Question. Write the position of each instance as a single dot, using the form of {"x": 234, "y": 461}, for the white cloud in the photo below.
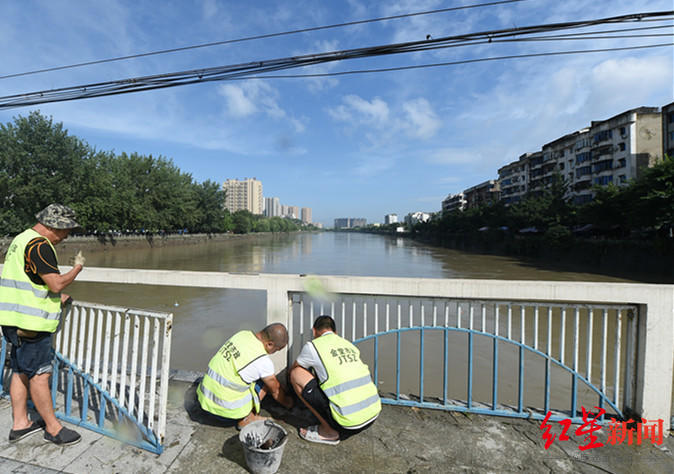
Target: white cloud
{"x": 360, "y": 111}
{"x": 238, "y": 104}
{"x": 422, "y": 120}
{"x": 251, "y": 97}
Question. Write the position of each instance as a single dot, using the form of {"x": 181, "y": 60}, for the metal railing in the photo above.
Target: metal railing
{"x": 111, "y": 372}
{"x": 122, "y": 355}
{"x": 504, "y": 338}
{"x": 651, "y": 326}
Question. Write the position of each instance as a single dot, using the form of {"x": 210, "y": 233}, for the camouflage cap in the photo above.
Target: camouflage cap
{"x": 57, "y": 216}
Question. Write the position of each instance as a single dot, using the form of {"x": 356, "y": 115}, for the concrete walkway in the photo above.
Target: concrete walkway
{"x": 403, "y": 440}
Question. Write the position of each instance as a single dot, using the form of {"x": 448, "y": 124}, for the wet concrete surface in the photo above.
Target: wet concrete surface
{"x": 402, "y": 440}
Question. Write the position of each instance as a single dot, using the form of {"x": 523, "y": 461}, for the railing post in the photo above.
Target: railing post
{"x": 279, "y": 310}
{"x": 655, "y": 358}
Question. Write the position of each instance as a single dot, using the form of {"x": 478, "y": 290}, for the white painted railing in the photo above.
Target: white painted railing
{"x": 655, "y": 326}
{"x": 124, "y": 351}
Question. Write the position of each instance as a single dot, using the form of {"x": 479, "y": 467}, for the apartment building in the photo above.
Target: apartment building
{"x": 513, "y": 179}
{"x": 272, "y": 207}
{"x": 243, "y": 194}
{"x": 391, "y": 219}
{"x": 482, "y": 193}
{"x": 306, "y": 215}
{"x": 614, "y": 150}
{"x": 454, "y": 202}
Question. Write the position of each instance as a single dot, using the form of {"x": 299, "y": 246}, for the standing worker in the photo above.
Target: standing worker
{"x": 344, "y": 399}
{"x": 30, "y": 310}
{"x": 240, "y": 374}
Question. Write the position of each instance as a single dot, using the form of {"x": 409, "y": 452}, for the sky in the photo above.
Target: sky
{"x": 360, "y": 145}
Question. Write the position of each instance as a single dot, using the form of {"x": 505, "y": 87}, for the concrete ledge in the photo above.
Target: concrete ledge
{"x": 401, "y": 440}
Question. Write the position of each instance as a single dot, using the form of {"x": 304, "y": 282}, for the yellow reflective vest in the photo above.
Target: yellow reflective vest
{"x": 23, "y": 303}
{"x": 222, "y": 391}
{"x": 354, "y": 400}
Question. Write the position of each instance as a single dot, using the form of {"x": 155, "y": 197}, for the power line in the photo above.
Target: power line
{"x": 451, "y": 63}
{"x": 258, "y": 37}
{"x": 247, "y": 70}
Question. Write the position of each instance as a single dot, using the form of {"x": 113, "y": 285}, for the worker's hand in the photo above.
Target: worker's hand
{"x": 79, "y": 259}
{"x": 66, "y": 299}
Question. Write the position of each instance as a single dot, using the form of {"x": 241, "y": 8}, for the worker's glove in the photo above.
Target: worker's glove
{"x": 79, "y": 259}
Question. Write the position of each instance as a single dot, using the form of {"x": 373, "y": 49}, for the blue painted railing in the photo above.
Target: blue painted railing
{"x": 110, "y": 373}
{"x": 109, "y": 416}
{"x": 111, "y": 419}
{"x": 470, "y": 405}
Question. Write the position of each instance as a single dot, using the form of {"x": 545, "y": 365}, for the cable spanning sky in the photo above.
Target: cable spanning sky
{"x": 434, "y": 97}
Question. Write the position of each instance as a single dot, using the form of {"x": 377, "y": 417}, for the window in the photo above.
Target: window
{"x": 623, "y": 131}
{"x": 622, "y": 146}
{"x": 582, "y": 171}
{"x": 622, "y": 162}
{"x": 602, "y": 166}
{"x": 602, "y": 136}
{"x": 670, "y": 116}
{"x": 582, "y": 157}
{"x": 602, "y": 180}
{"x": 622, "y": 178}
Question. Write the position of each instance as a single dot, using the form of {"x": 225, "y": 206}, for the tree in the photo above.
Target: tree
{"x": 40, "y": 165}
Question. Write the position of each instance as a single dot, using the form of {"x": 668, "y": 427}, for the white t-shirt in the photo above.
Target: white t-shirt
{"x": 258, "y": 369}
{"x": 309, "y": 359}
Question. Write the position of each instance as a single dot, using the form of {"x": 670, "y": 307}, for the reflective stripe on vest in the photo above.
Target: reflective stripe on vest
{"x": 25, "y": 304}
{"x": 224, "y": 404}
{"x": 222, "y": 391}
{"x": 17, "y": 308}
{"x": 226, "y": 383}
{"x": 354, "y": 399}
{"x": 22, "y": 285}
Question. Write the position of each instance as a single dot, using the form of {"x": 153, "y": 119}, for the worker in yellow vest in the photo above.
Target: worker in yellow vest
{"x": 240, "y": 374}
{"x": 341, "y": 395}
{"x": 30, "y": 311}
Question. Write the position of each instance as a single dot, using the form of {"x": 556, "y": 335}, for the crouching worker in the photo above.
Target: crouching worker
{"x": 240, "y": 374}
{"x": 344, "y": 399}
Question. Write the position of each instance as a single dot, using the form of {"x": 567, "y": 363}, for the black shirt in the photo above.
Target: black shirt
{"x": 40, "y": 259}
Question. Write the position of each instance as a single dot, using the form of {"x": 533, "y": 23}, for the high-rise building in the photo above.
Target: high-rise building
{"x": 390, "y": 218}
{"x": 272, "y": 207}
{"x": 293, "y": 212}
{"x": 306, "y": 215}
{"x": 243, "y": 194}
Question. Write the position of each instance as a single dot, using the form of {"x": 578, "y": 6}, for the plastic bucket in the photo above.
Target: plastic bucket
{"x": 263, "y": 442}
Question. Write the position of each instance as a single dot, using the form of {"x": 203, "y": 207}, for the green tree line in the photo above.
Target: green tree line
{"x": 40, "y": 163}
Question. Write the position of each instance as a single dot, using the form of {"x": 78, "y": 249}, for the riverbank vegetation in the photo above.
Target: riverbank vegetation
{"x": 624, "y": 227}
{"x": 40, "y": 163}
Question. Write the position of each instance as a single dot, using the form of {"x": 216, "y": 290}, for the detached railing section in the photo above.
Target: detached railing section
{"x": 111, "y": 372}
{"x": 509, "y": 358}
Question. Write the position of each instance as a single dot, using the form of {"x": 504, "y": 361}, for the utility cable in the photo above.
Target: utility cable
{"x": 238, "y": 71}
{"x": 451, "y": 63}
{"x": 258, "y": 37}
